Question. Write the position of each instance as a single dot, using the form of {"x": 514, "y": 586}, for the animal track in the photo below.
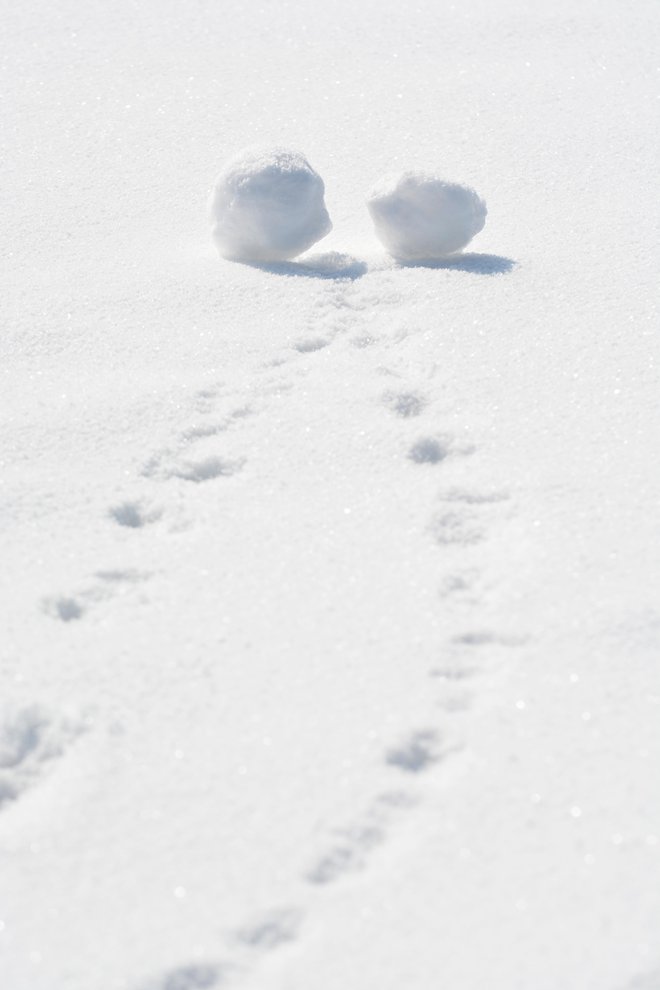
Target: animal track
{"x": 473, "y": 498}
{"x": 462, "y": 526}
{"x": 30, "y": 739}
{"x": 486, "y": 638}
{"x": 456, "y": 669}
{"x": 458, "y": 583}
{"x": 404, "y": 404}
{"x": 348, "y": 855}
{"x": 175, "y": 463}
{"x": 204, "y": 430}
{"x": 205, "y": 469}
{"x": 263, "y": 934}
{"x": 135, "y": 515}
{"x": 363, "y": 341}
{"x": 117, "y": 576}
{"x": 194, "y": 977}
{"x": 70, "y": 608}
{"x": 205, "y": 398}
{"x": 449, "y": 528}
{"x": 417, "y": 753}
{"x": 430, "y": 450}
{"x": 66, "y": 609}
{"x": 196, "y": 471}
{"x": 311, "y": 344}
{"x": 351, "y": 850}
{"x": 272, "y": 929}
{"x": 452, "y": 672}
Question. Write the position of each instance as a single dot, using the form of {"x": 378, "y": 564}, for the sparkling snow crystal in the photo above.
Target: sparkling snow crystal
{"x": 419, "y": 216}
{"x": 267, "y": 205}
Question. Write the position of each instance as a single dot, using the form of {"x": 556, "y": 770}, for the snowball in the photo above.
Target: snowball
{"x": 420, "y": 217}
{"x": 267, "y": 205}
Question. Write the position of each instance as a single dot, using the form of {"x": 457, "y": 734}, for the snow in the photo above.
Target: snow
{"x": 420, "y": 217}
{"x": 330, "y": 626}
{"x": 267, "y": 205}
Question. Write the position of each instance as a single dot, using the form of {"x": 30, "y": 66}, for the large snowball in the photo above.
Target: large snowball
{"x": 267, "y": 205}
{"x": 420, "y": 217}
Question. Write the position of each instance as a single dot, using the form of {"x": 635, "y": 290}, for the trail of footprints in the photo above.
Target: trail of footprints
{"x": 198, "y": 455}
{"x": 461, "y": 521}
{"x": 180, "y": 461}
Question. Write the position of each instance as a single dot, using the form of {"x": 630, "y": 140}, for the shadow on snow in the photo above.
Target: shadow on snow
{"x": 336, "y": 265}
{"x": 330, "y": 265}
{"x": 476, "y": 264}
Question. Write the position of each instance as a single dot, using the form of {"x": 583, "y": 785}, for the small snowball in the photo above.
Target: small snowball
{"x": 420, "y": 217}
{"x": 267, "y": 205}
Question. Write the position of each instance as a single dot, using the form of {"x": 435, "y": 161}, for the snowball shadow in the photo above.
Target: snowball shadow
{"x": 476, "y": 264}
{"x": 332, "y": 264}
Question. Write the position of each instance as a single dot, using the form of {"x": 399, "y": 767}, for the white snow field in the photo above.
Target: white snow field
{"x": 330, "y": 587}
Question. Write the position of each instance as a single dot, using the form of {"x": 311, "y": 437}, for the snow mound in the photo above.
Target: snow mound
{"x": 267, "y": 205}
{"x": 418, "y": 216}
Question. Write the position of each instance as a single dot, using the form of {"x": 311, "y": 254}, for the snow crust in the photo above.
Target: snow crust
{"x": 268, "y": 205}
{"x": 420, "y": 217}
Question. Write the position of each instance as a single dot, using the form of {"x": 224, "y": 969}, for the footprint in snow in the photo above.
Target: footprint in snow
{"x": 452, "y": 672}
{"x": 262, "y": 934}
{"x": 485, "y": 637}
{"x": 350, "y": 851}
{"x": 473, "y": 498}
{"x": 205, "y": 469}
{"x": 415, "y": 754}
{"x": 405, "y": 404}
{"x": 175, "y": 461}
{"x": 197, "y": 976}
{"x": 200, "y": 431}
{"x": 206, "y": 398}
{"x": 65, "y": 608}
{"x": 461, "y": 521}
{"x": 70, "y": 608}
{"x": 310, "y": 344}
{"x": 135, "y": 514}
{"x": 362, "y": 341}
{"x": 456, "y": 528}
{"x": 196, "y": 471}
{"x": 462, "y": 663}
{"x": 270, "y": 930}
{"x": 347, "y": 855}
{"x": 430, "y": 450}
{"x": 460, "y": 583}
{"x": 31, "y": 739}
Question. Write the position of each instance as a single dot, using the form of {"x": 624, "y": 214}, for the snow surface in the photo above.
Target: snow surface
{"x": 267, "y": 205}
{"x": 420, "y": 217}
{"x": 330, "y": 619}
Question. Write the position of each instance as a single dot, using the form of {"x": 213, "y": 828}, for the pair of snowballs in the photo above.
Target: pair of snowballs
{"x": 268, "y": 205}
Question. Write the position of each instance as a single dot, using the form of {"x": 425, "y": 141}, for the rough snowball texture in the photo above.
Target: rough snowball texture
{"x": 419, "y": 216}
{"x": 267, "y": 205}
